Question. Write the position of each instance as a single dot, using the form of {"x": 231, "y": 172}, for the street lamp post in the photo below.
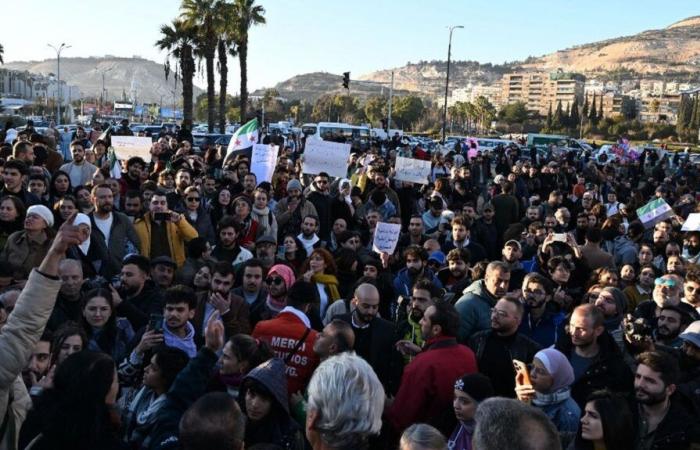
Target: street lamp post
{"x": 447, "y": 82}
{"x": 103, "y": 96}
{"x": 59, "y": 96}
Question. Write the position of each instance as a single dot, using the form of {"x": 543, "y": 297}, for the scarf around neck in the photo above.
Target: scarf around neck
{"x": 330, "y": 281}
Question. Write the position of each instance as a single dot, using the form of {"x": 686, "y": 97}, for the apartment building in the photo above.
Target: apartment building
{"x": 539, "y": 90}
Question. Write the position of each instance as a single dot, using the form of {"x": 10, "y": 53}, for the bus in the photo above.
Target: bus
{"x": 544, "y": 140}
{"x": 355, "y": 135}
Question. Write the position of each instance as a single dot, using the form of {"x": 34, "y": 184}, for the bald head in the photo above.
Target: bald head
{"x": 71, "y": 273}
{"x": 366, "y": 303}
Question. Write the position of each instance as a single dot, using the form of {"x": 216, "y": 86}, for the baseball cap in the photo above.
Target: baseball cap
{"x": 164, "y": 260}
{"x": 513, "y": 243}
{"x": 692, "y": 333}
{"x": 438, "y": 257}
{"x": 267, "y": 239}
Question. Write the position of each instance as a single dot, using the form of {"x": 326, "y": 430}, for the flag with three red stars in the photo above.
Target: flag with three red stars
{"x": 243, "y": 139}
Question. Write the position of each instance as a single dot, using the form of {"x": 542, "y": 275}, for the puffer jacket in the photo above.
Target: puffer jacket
{"x": 474, "y": 309}
{"x": 19, "y": 336}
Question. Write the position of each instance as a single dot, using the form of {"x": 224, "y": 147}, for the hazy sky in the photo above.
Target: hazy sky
{"x": 337, "y": 36}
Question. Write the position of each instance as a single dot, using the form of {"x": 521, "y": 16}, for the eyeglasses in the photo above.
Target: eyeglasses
{"x": 275, "y": 280}
{"x": 665, "y": 282}
{"x": 193, "y": 199}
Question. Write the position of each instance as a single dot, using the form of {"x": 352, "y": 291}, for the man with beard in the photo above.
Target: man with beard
{"x": 667, "y": 292}
{"x": 409, "y": 331}
{"x": 512, "y": 253}
{"x": 228, "y": 250}
{"x": 112, "y": 227}
{"x": 455, "y": 277}
{"x": 265, "y": 251}
{"x": 691, "y": 249}
{"x": 460, "y": 233}
{"x": 593, "y": 354}
{"x": 691, "y": 289}
{"x": 176, "y": 199}
{"x": 319, "y": 196}
{"x": 252, "y": 289}
{"x": 426, "y": 392}
{"x": 484, "y": 233}
{"x": 250, "y": 182}
{"x": 495, "y": 349}
{"x": 539, "y": 323}
{"x": 337, "y": 337}
{"x": 13, "y": 175}
{"x": 138, "y": 296}
{"x": 39, "y": 363}
{"x": 308, "y": 236}
{"x": 131, "y": 179}
{"x": 133, "y": 205}
{"x": 375, "y": 340}
{"x": 79, "y": 170}
{"x": 382, "y": 184}
{"x": 163, "y": 271}
{"x": 642, "y": 289}
{"x": 662, "y": 419}
{"x": 232, "y": 308}
{"x": 416, "y": 267}
{"x": 474, "y": 307}
{"x": 291, "y": 210}
{"x": 581, "y": 228}
{"x": 68, "y": 306}
{"x": 415, "y": 235}
{"x": 672, "y": 321}
{"x": 178, "y": 332}
{"x": 279, "y": 279}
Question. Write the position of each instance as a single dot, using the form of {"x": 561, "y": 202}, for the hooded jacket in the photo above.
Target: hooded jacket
{"x": 277, "y": 427}
{"x": 403, "y": 283}
{"x": 474, "y": 309}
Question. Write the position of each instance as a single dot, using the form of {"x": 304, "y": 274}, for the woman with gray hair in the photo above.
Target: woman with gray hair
{"x": 346, "y": 401}
{"x": 421, "y": 436}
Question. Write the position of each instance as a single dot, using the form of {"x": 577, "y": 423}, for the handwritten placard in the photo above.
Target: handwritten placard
{"x": 386, "y": 236}
{"x": 413, "y": 170}
{"x": 330, "y": 157}
{"x": 263, "y": 160}
{"x": 127, "y": 146}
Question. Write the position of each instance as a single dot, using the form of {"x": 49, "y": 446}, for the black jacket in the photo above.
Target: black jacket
{"x": 189, "y": 385}
{"x": 523, "y": 348}
{"x": 383, "y": 357}
{"x": 137, "y": 309}
{"x": 607, "y": 371}
{"x": 678, "y": 429}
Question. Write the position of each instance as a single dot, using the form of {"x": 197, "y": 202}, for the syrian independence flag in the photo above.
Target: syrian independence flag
{"x": 243, "y": 140}
{"x": 654, "y": 212}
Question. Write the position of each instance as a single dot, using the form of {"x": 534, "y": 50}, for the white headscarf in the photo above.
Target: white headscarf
{"x": 81, "y": 218}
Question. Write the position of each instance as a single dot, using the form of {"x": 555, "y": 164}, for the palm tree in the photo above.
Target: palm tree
{"x": 178, "y": 39}
{"x": 247, "y": 14}
{"x": 203, "y": 16}
{"x": 228, "y": 27}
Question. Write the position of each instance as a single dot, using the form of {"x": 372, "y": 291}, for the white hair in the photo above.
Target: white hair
{"x": 421, "y": 436}
{"x": 65, "y": 263}
{"x": 349, "y": 400}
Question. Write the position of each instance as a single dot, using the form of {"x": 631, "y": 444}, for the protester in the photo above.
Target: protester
{"x": 469, "y": 391}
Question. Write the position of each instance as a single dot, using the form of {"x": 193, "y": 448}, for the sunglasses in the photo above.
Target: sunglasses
{"x": 192, "y": 199}
{"x": 275, "y": 280}
{"x": 665, "y": 282}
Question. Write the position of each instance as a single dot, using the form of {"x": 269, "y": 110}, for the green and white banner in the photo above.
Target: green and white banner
{"x": 654, "y": 212}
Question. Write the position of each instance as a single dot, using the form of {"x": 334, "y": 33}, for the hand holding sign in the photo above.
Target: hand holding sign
{"x": 386, "y": 236}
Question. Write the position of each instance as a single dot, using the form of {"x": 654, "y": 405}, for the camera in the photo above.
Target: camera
{"x": 637, "y": 329}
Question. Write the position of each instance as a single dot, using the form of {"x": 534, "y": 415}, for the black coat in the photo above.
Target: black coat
{"x": 678, "y": 429}
{"x": 607, "y": 371}
{"x": 137, "y": 309}
{"x": 383, "y": 357}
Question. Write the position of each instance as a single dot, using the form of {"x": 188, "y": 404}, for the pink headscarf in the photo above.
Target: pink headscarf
{"x": 287, "y": 275}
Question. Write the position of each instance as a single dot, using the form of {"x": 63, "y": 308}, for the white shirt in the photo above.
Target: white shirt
{"x": 105, "y": 226}
{"x": 299, "y": 314}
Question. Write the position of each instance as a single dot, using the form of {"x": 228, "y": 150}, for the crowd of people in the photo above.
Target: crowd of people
{"x": 181, "y": 303}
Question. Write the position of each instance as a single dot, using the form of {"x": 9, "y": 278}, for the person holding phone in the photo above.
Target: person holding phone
{"x": 163, "y": 232}
{"x": 546, "y": 383}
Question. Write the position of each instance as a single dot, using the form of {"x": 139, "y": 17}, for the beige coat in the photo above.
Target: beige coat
{"x": 20, "y": 334}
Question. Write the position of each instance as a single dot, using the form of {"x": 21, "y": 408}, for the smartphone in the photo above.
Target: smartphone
{"x": 155, "y": 323}
{"x": 522, "y": 375}
{"x": 559, "y": 237}
{"x": 161, "y": 216}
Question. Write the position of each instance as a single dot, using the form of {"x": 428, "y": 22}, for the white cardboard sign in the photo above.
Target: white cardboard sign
{"x": 386, "y": 236}
{"x": 263, "y": 161}
{"x": 412, "y": 170}
{"x": 127, "y": 146}
{"x": 330, "y": 157}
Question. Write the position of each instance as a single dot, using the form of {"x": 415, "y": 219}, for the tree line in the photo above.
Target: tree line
{"x": 210, "y": 31}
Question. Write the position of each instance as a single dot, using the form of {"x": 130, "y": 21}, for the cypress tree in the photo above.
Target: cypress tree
{"x": 574, "y": 118}
{"x": 593, "y": 112}
{"x": 549, "y": 117}
{"x": 585, "y": 107}
{"x": 558, "y": 121}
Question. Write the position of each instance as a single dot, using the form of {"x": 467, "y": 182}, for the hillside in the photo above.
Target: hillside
{"x": 146, "y": 77}
{"x": 672, "y": 53}
{"x": 672, "y": 50}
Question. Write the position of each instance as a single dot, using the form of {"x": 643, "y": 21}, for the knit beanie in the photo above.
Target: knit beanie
{"x": 43, "y": 212}
{"x": 294, "y": 184}
{"x": 475, "y": 385}
{"x": 558, "y": 366}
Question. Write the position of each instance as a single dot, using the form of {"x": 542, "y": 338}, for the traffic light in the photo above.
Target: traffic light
{"x": 346, "y": 80}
